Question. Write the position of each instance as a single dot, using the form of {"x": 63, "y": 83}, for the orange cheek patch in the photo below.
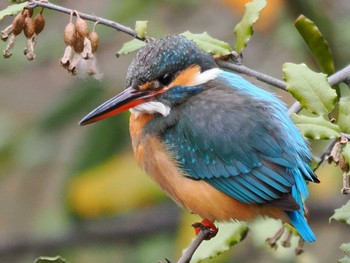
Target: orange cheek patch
{"x": 146, "y": 86}
{"x": 187, "y": 77}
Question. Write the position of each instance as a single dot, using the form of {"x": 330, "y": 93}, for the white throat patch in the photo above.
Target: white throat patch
{"x": 207, "y": 75}
{"x": 150, "y": 107}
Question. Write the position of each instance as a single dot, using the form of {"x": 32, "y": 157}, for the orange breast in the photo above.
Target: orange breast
{"x": 197, "y": 196}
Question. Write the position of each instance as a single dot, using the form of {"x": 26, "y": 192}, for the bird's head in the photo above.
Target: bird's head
{"x": 164, "y": 73}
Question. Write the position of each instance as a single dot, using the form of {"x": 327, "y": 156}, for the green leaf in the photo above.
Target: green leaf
{"x": 12, "y": 10}
{"x": 345, "y": 248}
{"x": 229, "y": 235}
{"x": 209, "y": 44}
{"x": 71, "y": 105}
{"x": 91, "y": 194}
{"x": 141, "y": 28}
{"x": 311, "y": 89}
{"x": 346, "y": 153}
{"x": 316, "y": 43}
{"x": 315, "y": 127}
{"x": 344, "y": 114}
{"x": 104, "y": 140}
{"x": 244, "y": 29}
{"x": 130, "y": 46}
{"x": 345, "y": 259}
{"x": 56, "y": 259}
{"x": 342, "y": 214}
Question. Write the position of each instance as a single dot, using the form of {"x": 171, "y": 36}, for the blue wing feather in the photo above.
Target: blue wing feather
{"x": 239, "y": 139}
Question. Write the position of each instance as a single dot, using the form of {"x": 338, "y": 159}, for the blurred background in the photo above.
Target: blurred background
{"x": 76, "y": 191}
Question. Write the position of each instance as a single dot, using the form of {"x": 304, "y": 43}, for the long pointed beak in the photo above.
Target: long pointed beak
{"x": 123, "y": 101}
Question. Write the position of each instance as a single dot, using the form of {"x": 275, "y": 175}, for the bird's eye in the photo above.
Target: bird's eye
{"x": 165, "y": 79}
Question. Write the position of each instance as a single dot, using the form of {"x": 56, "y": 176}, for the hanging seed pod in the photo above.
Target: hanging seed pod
{"x": 87, "y": 52}
{"x": 28, "y": 28}
{"x": 18, "y": 24}
{"x": 29, "y": 33}
{"x": 6, "y": 33}
{"x": 94, "y": 41}
{"x": 10, "y": 44}
{"x": 39, "y": 22}
{"x": 81, "y": 27}
{"x": 79, "y": 44}
{"x": 70, "y": 34}
{"x": 67, "y": 57}
{"x": 28, "y": 12}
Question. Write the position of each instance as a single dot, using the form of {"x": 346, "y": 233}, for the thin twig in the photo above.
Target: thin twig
{"x": 94, "y": 18}
{"x": 340, "y": 76}
{"x": 326, "y": 153}
{"x": 187, "y": 255}
{"x": 250, "y": 72}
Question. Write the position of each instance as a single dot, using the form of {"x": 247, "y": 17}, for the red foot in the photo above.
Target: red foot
{"x": 205, "y": 225}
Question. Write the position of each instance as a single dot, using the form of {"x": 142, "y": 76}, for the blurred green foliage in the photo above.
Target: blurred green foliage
{"x": 46, "y": 158}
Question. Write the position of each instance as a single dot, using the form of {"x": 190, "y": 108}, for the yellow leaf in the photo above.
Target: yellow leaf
{"x": 116, "y": 186}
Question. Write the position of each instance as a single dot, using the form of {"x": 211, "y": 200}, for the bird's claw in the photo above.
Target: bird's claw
{"x": 206, "y": 225}
{"x": 286, "y": 242}
{"x": 300, "y": 248}
{"x": 272, "y": 241}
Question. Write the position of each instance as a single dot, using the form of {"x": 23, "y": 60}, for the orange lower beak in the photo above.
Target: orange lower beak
{"x": 125, "y": 100}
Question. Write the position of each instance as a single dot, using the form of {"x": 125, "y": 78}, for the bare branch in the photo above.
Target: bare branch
{"x": 326, "y": 153}
{"x": 187, "y": 255}
{"x": 94, "y": 18}
{"x": 258, "y": 75}
{"x": 342, "y": 75}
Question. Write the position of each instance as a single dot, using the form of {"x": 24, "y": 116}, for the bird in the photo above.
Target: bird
{"x": 218, "y": 145}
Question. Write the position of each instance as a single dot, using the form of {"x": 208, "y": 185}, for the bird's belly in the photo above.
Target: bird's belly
{"x": 195, "y": 195}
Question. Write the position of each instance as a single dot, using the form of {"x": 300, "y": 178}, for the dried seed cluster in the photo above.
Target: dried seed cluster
{"x": 79, "y": 58}
{"x": 31, "y": 28}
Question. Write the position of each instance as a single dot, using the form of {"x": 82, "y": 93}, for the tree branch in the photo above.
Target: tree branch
{"x": 187, "y": 255}
{"x": 250, "y": 72}
{"x": 94, "y": 18}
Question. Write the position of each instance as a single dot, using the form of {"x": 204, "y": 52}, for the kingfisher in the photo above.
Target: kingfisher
{"x": 216, "y": 144}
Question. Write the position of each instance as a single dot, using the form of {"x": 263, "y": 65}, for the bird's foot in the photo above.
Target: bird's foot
{"x": 300, "y": 248}
{"x": 206, "y": 225}
{"x": 286, "y": 241}
{"x": 272, "y": 241}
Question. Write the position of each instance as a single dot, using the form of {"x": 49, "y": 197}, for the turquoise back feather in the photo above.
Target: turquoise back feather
{"x": 239, "y": 139}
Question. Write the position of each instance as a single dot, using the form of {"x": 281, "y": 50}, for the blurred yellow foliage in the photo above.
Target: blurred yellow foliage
{"x": 116, "y": 186}
{"x": 268, "y": 15}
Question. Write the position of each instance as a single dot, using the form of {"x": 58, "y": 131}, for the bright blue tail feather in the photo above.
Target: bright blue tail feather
{"x": 297, "y": 218}
{"x": 299, "y": 222}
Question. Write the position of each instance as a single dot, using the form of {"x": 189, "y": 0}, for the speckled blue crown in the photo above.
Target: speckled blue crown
{"x": 169, "y": 54}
